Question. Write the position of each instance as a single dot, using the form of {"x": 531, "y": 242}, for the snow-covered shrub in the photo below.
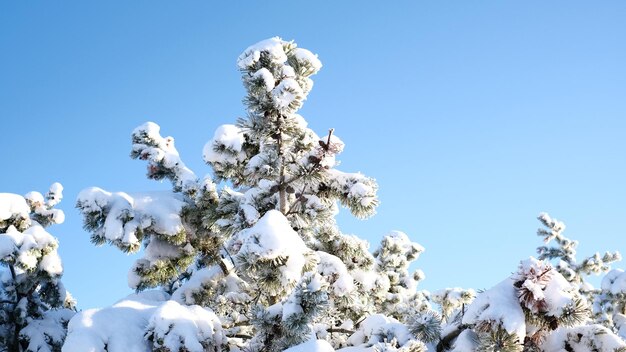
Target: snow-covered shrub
{"x": 34, "y": 305}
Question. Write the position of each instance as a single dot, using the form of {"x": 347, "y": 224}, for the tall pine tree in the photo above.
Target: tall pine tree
{"x": 256, "y": 243}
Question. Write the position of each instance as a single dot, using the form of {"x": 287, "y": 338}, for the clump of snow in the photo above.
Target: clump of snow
{"x": 376, "y": 328}
{"x": 312, "y": 345}
{"x": 51, "y": 264}
{"x": 125, "y": 326}
{"x": 185, "y": 328}
{"x": 120, "y": 328}
{"x": 287, "y": 95}
{"x": 583, "y": 339}
{"x": 306, "y": 58}
{"x": 125, "y": 213}
{"x": 34, "y": 198}
{"x": 25, "y": 249}
{"x": 499, "y": 305}
{"x": 543, "y": 289}
{"x": 332, "y": 267}
{"x": 273, "y": 47}
{"x": 46, "y": 331}
{"x": 149, "y": 145}
{"x": 266, "y": 77}
{"x": 185, "y": 293}
{"x": 272, "y": 237}
{"x": 226, "y": 146}
{"x": 465, "y": 342}
{"x": 13, "y": 205}
{"x": 614, "y": 281}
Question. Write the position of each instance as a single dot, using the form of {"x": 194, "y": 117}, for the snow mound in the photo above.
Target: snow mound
{"x": 142, "y": 322}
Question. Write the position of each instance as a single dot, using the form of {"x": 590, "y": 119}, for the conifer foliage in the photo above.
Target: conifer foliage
{"x": 34, "y": 305}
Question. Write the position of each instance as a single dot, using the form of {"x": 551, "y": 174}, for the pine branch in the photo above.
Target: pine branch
{"x": 340, "y": 330}
{"x": 444, "y": 343}
{"x": 16, "y": 333}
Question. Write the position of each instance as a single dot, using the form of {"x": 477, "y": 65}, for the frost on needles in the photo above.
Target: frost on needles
{"x": 250, "y": 257}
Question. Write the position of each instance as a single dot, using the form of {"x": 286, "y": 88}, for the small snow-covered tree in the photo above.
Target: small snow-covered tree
{"x": 34, "y": 305}
{"x": 542, "y": 307}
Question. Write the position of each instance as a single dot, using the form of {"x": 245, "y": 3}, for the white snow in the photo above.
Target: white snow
{"x": 124, "y": 326}
{"x": 164, "y": 152}
{"x": 312, "y": 345}
{"x": 583, "y": 339}
{"x": 51, "y": 264}
{"x": 272, "y": 46}
{"x": 266, "y": 76}
{"x": 375, "y": 324}
{"x": 13, "y": 205}
{"x": 155, "y": 211}
{"x": 614, "y": 281}
{"x": 272, "y": 237}
{"x": 304, "y": 56}
{"x": 42, "y": 332}
{"x": 184, "y": 328}
{"x": 465, "y": 342}
{"x": 333, "y": 268}
{"x": 120, "y": 327}
{"x": 229, "y": 137}
{"x": 286, "y": 93}
{"x": 35, "y": 198}
{"x": 498, "y": 305}
{"x": 184, "y": 294}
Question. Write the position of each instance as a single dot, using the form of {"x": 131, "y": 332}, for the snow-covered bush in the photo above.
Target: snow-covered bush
{"x": 34, "y": 305}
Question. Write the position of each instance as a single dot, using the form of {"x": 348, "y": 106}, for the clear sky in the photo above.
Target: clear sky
{"x": 474, "y": 116}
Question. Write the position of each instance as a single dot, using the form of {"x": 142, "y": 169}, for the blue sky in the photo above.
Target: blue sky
{"x": 473, "y": 116}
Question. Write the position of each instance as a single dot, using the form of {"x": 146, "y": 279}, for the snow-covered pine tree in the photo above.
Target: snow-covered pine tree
{"x": 34, "y": 305}
{"x": 260, "y": 264}
{"x": 544, "y": 308}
